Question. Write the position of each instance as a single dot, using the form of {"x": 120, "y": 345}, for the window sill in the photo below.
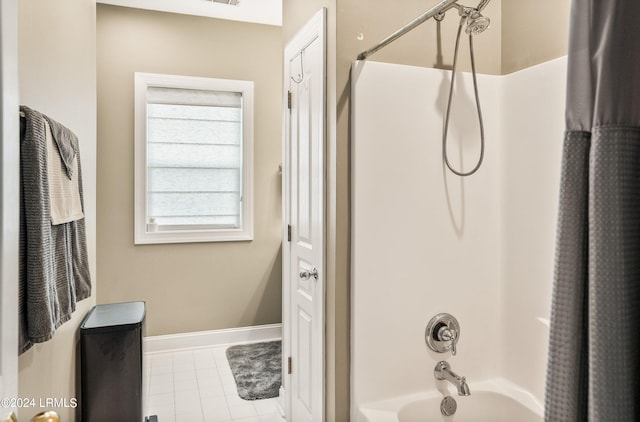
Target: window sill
{"x": 192, "y": 236}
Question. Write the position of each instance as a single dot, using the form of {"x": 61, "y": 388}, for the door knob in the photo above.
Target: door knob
{"x": 307, "y": 274}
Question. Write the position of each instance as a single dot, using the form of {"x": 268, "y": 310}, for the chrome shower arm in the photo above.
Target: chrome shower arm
{"x": 441, "y": 7}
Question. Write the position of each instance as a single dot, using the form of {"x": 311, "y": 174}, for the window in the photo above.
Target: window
{"x": 194, "y": 159}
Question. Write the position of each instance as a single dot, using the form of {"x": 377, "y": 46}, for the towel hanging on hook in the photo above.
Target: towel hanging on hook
{"x": 54, "y": 264}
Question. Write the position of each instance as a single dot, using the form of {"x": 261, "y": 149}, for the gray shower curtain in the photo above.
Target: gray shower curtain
{"x": 593, "y": 372}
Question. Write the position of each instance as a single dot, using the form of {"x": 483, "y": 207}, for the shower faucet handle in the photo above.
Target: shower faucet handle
{"x": 448, "y": 335}
{"x": 442, "y": 333}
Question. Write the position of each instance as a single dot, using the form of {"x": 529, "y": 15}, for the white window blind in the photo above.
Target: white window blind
{"x": 194, "y": 159}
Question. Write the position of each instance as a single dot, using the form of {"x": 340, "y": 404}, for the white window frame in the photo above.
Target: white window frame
{"x": 142, "y": 235}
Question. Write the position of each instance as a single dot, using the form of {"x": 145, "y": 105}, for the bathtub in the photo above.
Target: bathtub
{"x": 490, "y": 401}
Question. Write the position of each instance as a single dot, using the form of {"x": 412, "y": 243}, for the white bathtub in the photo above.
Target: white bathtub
{"x": 490, "y": 401}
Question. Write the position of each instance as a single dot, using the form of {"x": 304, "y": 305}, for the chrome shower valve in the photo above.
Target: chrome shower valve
{"x": 447, "y": 334}
{"x": 442, "y": 333}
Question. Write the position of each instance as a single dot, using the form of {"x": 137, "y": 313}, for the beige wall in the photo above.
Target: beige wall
{"x": 534, "y": 31}
{"x": 199, "y": 286}
{"x": 57, "y": 77}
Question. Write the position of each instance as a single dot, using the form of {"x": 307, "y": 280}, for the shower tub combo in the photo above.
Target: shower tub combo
{"x": 426, "y": 239}
{"x": 491, "y": 401}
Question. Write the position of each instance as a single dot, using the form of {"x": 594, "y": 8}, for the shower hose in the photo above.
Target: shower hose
{"x": 447, "y": 113}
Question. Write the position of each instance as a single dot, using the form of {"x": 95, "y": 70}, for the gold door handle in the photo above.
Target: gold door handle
{"x": 46, "y": 417}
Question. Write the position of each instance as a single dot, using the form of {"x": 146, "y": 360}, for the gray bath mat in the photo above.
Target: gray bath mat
{"x": 257, "y": 369}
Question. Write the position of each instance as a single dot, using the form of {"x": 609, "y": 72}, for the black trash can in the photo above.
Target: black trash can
{"x": 111, "y": 363}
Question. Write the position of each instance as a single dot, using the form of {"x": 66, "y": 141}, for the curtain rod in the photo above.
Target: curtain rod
{"x": 441, "y": 7}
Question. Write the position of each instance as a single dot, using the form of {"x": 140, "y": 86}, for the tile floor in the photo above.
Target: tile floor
{"x": 197, "y": 386}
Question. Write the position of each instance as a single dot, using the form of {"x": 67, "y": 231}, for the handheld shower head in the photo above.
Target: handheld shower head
{"x": 477, "y": 24}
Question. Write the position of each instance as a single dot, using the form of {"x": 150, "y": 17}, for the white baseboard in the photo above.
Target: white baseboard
{"x": 213, "y": 338}
{"x": 281, "y": 401}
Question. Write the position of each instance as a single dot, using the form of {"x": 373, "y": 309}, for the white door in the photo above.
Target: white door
{"x": 9, "y": 200}
{"x": 303, "y": 287}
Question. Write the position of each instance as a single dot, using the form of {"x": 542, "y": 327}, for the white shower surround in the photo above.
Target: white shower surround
{"x": 425, "y": 241}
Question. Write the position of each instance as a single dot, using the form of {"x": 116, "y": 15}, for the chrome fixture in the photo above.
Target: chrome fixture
{"x": 443, "y": 371}
{"x": 482, "y": 5}
{"x": 448, "y": 406}
{"x": 475, "y": 24}
{"x": 442, "y": 333}
{"x": 307, "y": 274}
{"x": 436, "y": 11}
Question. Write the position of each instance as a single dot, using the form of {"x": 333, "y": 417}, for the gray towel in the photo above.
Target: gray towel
{"x": 64, "y": 191}
{"x": 54, "y": 266}
{"x": 67, "y": 143}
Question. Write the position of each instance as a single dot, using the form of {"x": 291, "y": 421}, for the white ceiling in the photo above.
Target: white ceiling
{"x": 267, "y": 12}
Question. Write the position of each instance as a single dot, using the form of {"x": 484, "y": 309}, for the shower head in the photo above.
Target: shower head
{"x": 477, "y": 24}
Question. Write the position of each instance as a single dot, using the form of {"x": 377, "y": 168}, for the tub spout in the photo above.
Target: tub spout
{"x": 463, "y": 389}
{"x": 443, "y": 372}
